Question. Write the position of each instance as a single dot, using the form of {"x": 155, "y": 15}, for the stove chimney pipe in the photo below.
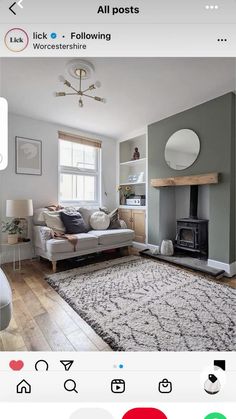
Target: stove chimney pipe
{"x": 193, "y": 201}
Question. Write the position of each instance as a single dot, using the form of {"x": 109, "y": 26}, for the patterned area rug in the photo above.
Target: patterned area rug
{"x": 137, "y": 304}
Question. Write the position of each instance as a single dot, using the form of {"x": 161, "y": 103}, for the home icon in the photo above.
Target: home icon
{"x": 23, "y": 387}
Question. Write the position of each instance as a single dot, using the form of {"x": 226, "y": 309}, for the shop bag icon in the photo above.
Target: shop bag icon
{"x": 165, "y": 386}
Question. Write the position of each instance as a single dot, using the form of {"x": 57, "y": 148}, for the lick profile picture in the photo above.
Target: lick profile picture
{"x": 16, "y": 40}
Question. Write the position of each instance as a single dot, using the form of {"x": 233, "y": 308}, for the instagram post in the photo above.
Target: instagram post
{"x": 112, "y": 228}
{"x": 117, "y": 210}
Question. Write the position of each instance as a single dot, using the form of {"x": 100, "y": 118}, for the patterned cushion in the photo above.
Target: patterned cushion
{"x": 114, "y": 218}
{"x": 99, "y": 221}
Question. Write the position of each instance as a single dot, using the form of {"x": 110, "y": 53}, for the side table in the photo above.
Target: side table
{"x": 15, "y": 250}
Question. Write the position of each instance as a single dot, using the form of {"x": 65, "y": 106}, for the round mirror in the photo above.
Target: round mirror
{"x": 182, "y": 149}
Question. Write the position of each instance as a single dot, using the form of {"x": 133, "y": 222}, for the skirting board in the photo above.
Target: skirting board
{"x": 230, "y": 269}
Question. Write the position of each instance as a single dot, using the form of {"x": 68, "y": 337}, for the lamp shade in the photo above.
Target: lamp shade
{"x": 19, "y": 208}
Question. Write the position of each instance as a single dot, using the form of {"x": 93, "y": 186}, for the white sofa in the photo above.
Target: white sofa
{"x": 5, "y": 301}
{"x": 94, "y": 241}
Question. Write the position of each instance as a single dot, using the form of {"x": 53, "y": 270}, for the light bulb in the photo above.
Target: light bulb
{"x": 58, "y": 94}
{"x": 81, "y": 103}
{"x": 98, "y": 84}
{"x": 100, "y": 99}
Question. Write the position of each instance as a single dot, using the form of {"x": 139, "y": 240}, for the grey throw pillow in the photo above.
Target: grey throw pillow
{"x": 86, "y": 214}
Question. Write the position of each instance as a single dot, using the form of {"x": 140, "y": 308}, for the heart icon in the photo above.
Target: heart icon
{"x": 16, "y": 365}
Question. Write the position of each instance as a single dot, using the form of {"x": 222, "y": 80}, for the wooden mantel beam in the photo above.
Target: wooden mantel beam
{"x": 205, "y": 179}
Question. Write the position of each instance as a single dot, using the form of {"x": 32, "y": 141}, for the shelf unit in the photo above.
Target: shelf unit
{"x": 141, "y": 207}
{"x": 132, "y": 183}
{"x": 133, "y": 168}
{"x": 135, "y": 216}
{"x": 133, "y": 162}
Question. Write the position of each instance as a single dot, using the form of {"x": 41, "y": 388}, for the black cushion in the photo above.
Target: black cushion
{"x": 73, "y": 222}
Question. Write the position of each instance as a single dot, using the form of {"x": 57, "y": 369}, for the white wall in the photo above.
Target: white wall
{"x": 44, "y": 189}
{"x": 0, "y": 76}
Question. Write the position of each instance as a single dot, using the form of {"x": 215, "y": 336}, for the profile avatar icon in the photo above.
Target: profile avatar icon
{"x": 212, "y": 384}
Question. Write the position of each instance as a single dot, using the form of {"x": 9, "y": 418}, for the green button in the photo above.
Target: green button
{"x": 215, "y": 415}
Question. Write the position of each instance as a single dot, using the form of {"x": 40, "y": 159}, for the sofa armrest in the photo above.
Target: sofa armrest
{"x": 41, "y": 235}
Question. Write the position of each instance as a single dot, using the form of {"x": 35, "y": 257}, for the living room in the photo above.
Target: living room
{"x": 99, "y": 293}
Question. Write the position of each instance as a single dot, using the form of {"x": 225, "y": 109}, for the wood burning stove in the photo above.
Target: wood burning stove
{"x": 192, "y": 232}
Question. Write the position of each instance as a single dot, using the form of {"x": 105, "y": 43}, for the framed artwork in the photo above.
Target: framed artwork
{"x": 28, "y": 156}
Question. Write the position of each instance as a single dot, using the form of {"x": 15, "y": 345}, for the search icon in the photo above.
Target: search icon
{"x": 70, "y": 385}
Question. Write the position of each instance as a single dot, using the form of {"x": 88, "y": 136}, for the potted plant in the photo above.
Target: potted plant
{"x": 13, "y": 228}
{"x": 125, "y": 192}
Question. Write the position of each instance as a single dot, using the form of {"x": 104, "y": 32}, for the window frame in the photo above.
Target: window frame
{"x": 71, "y": 170}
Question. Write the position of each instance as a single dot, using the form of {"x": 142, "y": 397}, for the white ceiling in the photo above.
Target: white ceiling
{"x": 139, "y": 91}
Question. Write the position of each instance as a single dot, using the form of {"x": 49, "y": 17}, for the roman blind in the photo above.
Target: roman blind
{"x": 79, "y": 139}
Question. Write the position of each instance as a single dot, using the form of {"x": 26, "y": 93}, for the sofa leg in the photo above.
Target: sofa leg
{"x": 54, "y": 266}
{"x": 125, "y": 251}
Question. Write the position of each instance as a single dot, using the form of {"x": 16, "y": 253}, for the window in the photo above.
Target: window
{"x": 79, "y": 169}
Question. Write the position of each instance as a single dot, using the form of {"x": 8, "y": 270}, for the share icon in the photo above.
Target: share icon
{"x": 67, "y": 364}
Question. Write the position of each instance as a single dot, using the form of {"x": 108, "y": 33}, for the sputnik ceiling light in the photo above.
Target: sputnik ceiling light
{"x": 81, "y": 70}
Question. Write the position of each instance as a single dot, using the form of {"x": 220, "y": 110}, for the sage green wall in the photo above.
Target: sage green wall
{"x": 214, "y": 122}
{"x": 233, "y": 185}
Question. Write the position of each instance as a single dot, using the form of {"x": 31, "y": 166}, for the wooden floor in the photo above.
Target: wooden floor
{"x": 42, "y": 320}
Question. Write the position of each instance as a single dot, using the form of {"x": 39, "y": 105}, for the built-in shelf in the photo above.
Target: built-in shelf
{"x": 141, "y": 207}
{"x": 132, "y": 183}
{"x": 133, "y": 162}
{"x": 133, "y": 174}
{"x": 205, "y": 179}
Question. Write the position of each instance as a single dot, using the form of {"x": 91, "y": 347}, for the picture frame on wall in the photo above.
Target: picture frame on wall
{"x": 28, "y": 156}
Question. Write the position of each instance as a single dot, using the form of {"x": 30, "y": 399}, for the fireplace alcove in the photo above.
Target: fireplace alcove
{"x": 191, "y": 232}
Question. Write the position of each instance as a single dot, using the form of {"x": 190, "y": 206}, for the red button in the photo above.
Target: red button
{"x": 144, "y": 413}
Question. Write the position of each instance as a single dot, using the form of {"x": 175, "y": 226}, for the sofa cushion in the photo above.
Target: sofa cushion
{"x": 99, "y": 220}
{"x": 73, "y": 222}
{"x": 5, "y": 301}
{"x": 86, "y": 214}
{"x": 112, "y": 237}
{"x": 53, "y": 221}
{"x": 85, "y": 241}
{"x": 114, "y": 218}
{"x": 38, "y": 217}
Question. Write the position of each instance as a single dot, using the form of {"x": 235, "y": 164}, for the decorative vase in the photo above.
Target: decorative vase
{"x": 155, "y": 250}
{"x": 167, "y": 248}
{"x": 12, "y": 238}
{"x": 122, "y": 200}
